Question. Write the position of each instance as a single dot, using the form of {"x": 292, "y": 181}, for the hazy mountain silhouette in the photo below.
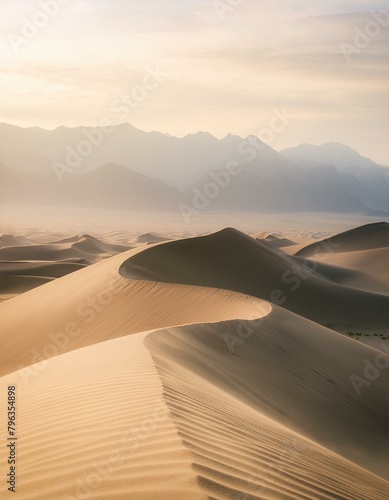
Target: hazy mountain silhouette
{"x": 362, "y": 178}
{"x": 149, "y": 171}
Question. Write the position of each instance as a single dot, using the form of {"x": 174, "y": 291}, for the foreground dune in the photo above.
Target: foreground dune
{"x": 293, "y": 371}
{"x": 219, "y": 407}
{"x": 121, "y": 420}
{"x": 94, "y": 425}
{"x": 167, "y": 382}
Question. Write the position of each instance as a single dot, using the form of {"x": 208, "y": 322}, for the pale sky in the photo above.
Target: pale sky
{"x": 224, "y": 66}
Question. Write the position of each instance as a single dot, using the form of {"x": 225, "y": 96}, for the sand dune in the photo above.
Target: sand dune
{"x": 366, "y": 270}
{"x": 293, "y": 371}
{"x": 8, "y": 240}
{"x": 26, "y": 266}
{"x": 85, "y": 247}
{"x": 19, "y": 277}
{"x": 163, "y": 422}
{"x": 262, "y": 272}
{"x": 358, "y": 258}
{"x": 90, "y": 244}
{"x": 148, "y": 238}
{"x": 97, "y": 304}
{"x": 14, "y": 284}
{"x": 272, "y": 240}
{"x": 95, "y": 425}
{"x": 154, "y": 375}
{"x": 41, "y": 268}
{"x": 370, "y": 236}
{"x": 217, "y": 403}
{"x": 49, "y": 252}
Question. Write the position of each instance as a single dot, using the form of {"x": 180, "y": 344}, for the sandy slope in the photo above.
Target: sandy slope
{"x": 231, "y": 260}
{"x": 94, "y": 425}
{"x": 122, "y": 421}
{"x": 84, "y": 247}
{"x": 218, "y": 406}
{"x": 366, "y": 270}
{"x": 358, "y": 259}
{"x": 24, "y": 266}
{"x": 257, "y": 409}
{"x": 40, "y": 268}
{"x": 294, "y": 371}
{"x": 14, "y": 284}
{"x": 370, "y": 236}
{"x": 148, "y": 239}
{"x": 97, "y": 304}
{"x": 373, "y": 264}
{"x": 272, "y": 240}
{"x": 8, "y": 240}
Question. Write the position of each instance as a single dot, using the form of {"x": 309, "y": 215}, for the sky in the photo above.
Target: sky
{"x": 221, "y": 66}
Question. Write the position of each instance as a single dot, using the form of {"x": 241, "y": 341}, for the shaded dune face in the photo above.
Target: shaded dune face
{"x": 231, "y": 260}
{"x": 359, "y": 258}
{"x": 370, "y": 236}
{"x": 288, "y": 369}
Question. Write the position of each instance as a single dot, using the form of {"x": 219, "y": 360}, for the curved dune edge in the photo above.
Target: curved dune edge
{"x": 367, "y": 269}
{"x": 234, "y": 261}
{"x": 367, "y": 237}
{"x": 96, "y": 304}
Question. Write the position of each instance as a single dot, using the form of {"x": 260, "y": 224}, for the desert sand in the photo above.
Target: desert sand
{"x": 218, "y": 366}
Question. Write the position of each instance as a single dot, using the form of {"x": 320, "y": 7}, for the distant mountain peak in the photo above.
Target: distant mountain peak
{"x": 201, "y": 134}
{"x": 231, "y": 137}
{"x": 330, "y": 153}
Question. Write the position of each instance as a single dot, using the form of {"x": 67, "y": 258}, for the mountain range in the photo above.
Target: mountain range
{"x": 126, "y": 168}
